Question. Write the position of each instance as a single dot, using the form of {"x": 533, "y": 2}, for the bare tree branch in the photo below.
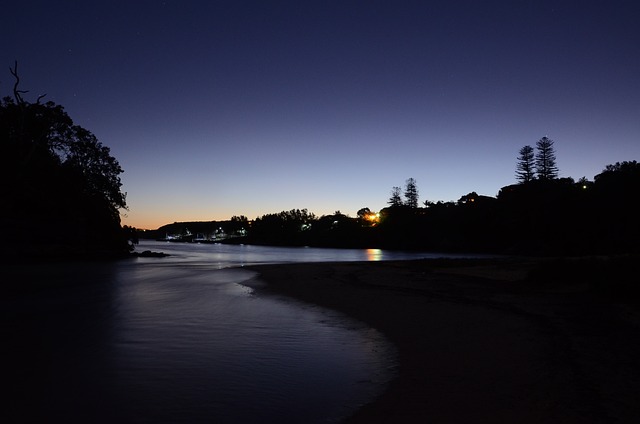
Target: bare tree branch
{"x": 17, "y": 93}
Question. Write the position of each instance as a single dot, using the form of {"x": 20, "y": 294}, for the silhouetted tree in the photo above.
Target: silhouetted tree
{"x": 363, "y": 213}
{"x": 615, "y": 192}
{"x": 624, "y": 168}
{"x": 367, "y": 218}
{"x": 238, "y": 225}
{"x": 584, "y": 183}
{"x": 82, "y": 153}
{"x": 63, "y": 184}
{"x": 411, "y": 193}
{"x": 546, "y": 159}
{"x": 525, "y": 168}
{"x": 396, "y": 197}
{"x": 283, "y": 228}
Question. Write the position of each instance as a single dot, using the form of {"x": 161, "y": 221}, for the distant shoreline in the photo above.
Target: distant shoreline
{"x": 479, "y": 341}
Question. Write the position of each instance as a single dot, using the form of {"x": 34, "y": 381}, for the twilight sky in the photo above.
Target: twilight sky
{"x": 221, "y": 108}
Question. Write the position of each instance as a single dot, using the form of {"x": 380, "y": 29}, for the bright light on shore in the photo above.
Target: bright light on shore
{"x": 373, "y": 217}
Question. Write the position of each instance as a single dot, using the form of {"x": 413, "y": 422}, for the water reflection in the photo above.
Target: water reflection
{"x": 207, "y": 350}
{"x": 223, "y": 255}
{"x": 374, "y": 254}
{"x": 183, "y": 341}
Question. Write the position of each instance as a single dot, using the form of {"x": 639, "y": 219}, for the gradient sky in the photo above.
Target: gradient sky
{"x": 221, "y": 108}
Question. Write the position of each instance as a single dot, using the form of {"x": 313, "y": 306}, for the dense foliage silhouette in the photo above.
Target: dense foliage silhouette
{"x": 61, "y": 184}
{"x": 550, "y": 216}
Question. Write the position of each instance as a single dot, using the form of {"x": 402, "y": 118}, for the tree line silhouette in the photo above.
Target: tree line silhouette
{"x": 64, "y": 197}
{"x": 541, "y": 214}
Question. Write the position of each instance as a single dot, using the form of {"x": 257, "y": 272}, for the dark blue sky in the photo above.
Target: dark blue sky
{"x": 220, "y": 108}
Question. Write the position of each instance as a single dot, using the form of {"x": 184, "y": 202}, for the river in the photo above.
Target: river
{"x": 181, "y": 339}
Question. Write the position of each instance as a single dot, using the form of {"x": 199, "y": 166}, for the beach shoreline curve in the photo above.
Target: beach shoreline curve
{"x": 476, "y": 341}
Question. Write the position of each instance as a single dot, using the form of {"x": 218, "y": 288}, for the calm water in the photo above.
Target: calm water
{"x": 181, "y": 339}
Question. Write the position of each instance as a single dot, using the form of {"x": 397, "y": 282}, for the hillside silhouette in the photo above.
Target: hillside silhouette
{"x": 541, "y": 216}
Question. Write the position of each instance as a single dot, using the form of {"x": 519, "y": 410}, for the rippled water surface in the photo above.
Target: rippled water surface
{"x": 181, "y": 339}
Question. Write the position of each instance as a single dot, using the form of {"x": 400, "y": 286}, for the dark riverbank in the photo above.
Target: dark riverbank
{"x": 492, "y": 340}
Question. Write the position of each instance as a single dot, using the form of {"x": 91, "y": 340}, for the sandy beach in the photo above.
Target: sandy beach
{"x": 483, "y": 341}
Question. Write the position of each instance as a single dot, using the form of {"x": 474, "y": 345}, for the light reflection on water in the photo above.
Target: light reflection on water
{"x": 227, "y": 354}
{"x": 181, "y": 339}
{"x": 223, "y": 256}
{"x": 374, "y": 254}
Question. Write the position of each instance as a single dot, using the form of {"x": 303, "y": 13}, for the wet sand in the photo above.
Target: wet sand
{"x": 479, "y": 342}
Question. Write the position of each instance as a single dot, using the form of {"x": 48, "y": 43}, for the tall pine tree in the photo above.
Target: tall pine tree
{"x": 396, "y": 197}
{"x": 546, "y": 160}
{"x": 525, "y": 168}
{"x": 411, "y": 193}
